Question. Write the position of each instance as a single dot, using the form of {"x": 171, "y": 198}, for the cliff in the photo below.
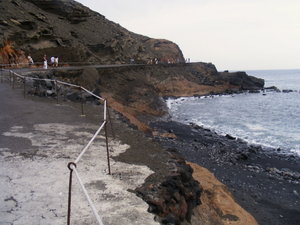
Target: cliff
{"x": 75, "y": 33}
{"x": 138, "y": 92}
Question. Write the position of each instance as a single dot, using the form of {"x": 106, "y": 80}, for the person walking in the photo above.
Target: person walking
{"x": 45, "y": 65}
{"x": 52, "y": 60}
{"x": 56, "y": 61}
{"x": 30, "y": 60}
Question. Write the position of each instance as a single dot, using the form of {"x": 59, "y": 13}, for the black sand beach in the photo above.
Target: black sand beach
{"x": 265, "y": 183}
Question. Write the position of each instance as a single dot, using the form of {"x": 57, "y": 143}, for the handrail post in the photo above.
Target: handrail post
{"x": 64, "y": 99}
{"x": 1, "y": 75}
{"x": 70, "y": 191}
{"x": 106, "y": 137}
{"x": 56, "y": 91}
{"x": 24, "y": 87}
{"x": 110, "y": 121}
{"x": 13, "y": 80}
{"x": 81, "y": 96}
{"x": 107, "y": 149}
{"x": 9, "y": 74}
{"x": 104, "y": 111}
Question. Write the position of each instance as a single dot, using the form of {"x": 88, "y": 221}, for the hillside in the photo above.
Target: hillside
{"x": 76, "y": 34}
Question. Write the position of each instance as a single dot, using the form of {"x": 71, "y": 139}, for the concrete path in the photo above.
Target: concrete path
{"x": 37, "y": 140}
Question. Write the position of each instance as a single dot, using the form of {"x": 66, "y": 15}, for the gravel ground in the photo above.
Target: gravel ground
{"x": 263, "y": 182}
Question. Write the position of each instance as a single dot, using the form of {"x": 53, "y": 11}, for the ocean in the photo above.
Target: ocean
{"x": 270, "y": 119}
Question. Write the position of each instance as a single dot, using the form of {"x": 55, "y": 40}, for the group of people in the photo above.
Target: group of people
{"x": 163, "y": 60}
{"x": 53, "y": 61}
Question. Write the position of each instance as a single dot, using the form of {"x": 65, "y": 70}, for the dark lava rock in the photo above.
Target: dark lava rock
{"x": 75, "y": 33}
{"x": 254, "y": 91}
{"x": 230, "y": 137}
{"x": 287, "y": 91}
{"x": 271, "y": 88}
{"x": 243, "y": 80}
{"x": 173, "y": 200}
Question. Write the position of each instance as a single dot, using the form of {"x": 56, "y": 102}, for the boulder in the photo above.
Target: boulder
{"x": 172, "y": 201}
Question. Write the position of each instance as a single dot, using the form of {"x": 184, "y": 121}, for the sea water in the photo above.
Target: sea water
{"x": 271, "y": 119}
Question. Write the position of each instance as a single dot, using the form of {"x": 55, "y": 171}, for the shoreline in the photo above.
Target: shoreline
{"x": 250, "y": 175}
{"x": 265, "y": 184}
{"x": 279, "y": 149}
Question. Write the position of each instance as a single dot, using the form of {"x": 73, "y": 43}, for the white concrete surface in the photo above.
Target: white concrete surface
{"x": 34, "y": 188}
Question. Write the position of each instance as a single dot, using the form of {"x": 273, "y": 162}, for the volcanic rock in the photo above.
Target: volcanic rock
{"x": 75, "y": 33}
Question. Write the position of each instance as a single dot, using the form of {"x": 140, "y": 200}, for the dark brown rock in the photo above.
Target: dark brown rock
{"x": 173, "y": 200}
{"x": 73, "y": 32}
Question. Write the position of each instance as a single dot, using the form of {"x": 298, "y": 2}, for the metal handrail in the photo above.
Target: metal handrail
{"x": 90, "y": 142}
{"x": 41, "y": 63}
{"x": 72, "y": 165}
{"x": 98, "y": 218}
{"x": 68, "y": 84}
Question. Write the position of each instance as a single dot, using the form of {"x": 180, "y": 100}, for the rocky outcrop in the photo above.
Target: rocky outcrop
{"x": 241, "y": 79}
{"x": 218, "y": 206}
{"x": 74, "y": 33}
{"x": 173, "y": 200}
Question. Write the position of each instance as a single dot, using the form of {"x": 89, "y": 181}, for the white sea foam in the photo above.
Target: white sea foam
{"x": 255, "y": 127}
{"x": 271, "y": 120}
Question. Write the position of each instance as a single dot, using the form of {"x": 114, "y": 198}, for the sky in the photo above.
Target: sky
{"x": 232, "y": 34}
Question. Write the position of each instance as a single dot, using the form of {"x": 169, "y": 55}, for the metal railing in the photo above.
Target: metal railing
{"x": 72, "y": 165}
{"x": 40, "y": 63}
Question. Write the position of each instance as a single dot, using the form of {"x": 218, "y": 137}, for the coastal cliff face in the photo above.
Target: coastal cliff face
{"x": 75, "y": 33}
{"x": 138, "y": 91}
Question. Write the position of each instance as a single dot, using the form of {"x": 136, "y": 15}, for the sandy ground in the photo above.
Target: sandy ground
{"x": 37, "y": 140}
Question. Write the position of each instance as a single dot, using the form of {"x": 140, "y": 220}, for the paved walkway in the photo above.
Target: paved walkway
{"x": 37, "y": 140}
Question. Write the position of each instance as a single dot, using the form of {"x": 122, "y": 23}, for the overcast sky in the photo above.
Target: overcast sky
{"x": 232, "y": 34}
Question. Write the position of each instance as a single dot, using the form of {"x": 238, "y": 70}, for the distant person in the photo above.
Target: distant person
{"x": 30, "y": 60}
{"x": 52, "y": 59}
{"x": 56, "y": 61}
{"x": 45, "y": 63}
